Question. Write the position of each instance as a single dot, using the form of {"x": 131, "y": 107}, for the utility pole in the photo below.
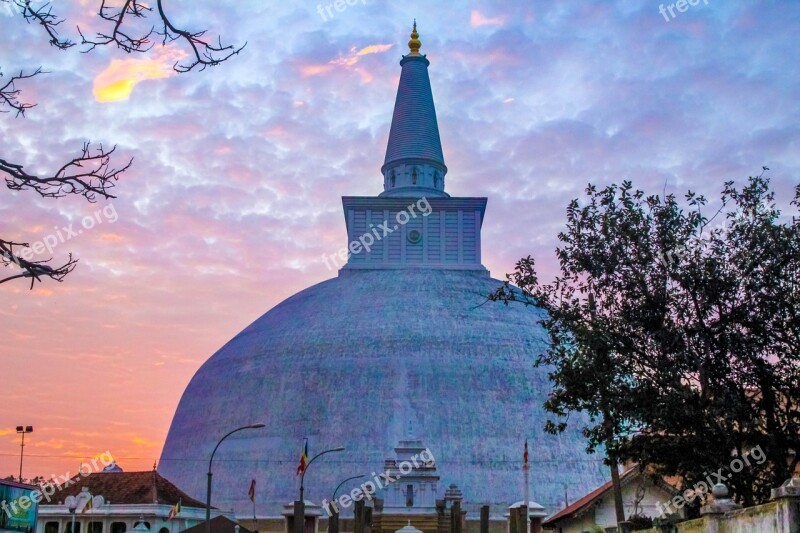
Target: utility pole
{"x": 22, "y": 430}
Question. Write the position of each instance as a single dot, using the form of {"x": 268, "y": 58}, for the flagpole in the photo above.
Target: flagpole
{"x": 527, "y": 499}
{"x": 526, "y": 470}
{"x": 252, "y": 494}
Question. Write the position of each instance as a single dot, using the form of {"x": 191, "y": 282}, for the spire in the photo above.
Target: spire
{"x": 414, "y": 44}
{"x": 413, "y": 177}
{"x": 414, "y": 164}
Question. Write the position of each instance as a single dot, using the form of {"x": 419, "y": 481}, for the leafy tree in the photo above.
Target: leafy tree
{"x": 38, "y": 480}
{"x": 677, "y": 334}
{"x": 92, "y": 172}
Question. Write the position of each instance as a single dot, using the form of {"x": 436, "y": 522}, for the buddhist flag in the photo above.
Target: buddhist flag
{"x": 303, "y": 458}
{"x": 525, "y": 454}
{"x": 89, "y": 504}
{"x": 175, "y": 511}
{"x": 252, "y": 491}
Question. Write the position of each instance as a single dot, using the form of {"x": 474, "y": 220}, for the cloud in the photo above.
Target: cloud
{"x": 52, "y": 443}
{"x": 347, "y": 61}
{"x": 477, "y": 19}
{"x": 145, "y": 442}
{"x": 315, "y": 70}
{"x": 242, "y": 166}
{"x": 374, "y": 49}
{"x": 117, "y": 81}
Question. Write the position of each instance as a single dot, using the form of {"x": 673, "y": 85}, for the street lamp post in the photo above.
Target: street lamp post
{"x": 339, "y": 449}
{"x": 333, "y": 519}
{"x": 300, "y": 505}
{"x": 208, "y": 488}
{"x": 22, "y": 430}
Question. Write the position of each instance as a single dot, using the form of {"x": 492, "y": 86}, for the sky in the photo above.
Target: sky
{"x": 234, "y": 193}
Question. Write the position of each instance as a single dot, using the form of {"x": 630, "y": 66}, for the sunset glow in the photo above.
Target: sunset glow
{"x": 118, "y": 80}
{"x": 234, "y": 193}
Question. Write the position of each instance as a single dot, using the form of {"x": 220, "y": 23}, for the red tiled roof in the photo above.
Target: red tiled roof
{"x": 587, "y": 500}
{"x": 126, "y": 488}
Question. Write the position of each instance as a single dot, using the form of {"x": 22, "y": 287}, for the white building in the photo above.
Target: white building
{"x": 416, "y": 488}
{"x": 641, "y": 495}
{"x": 122, "y": 502}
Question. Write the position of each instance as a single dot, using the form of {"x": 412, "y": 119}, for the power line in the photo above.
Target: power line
{"x": 294, "y": 460}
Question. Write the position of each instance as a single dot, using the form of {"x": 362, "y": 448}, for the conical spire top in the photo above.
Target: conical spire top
{"x": 414, "y": 44}
{"x": 414, "y": 164}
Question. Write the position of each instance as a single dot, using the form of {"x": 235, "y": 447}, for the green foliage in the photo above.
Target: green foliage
{"x": 678, "y": 334}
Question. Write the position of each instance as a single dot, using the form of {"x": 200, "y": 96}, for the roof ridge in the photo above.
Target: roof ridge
{"x": 593, "y": 495}
{"x": 143, "y": 488}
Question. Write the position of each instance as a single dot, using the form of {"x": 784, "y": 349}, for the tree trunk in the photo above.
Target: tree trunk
{"x": 617, "y": 492}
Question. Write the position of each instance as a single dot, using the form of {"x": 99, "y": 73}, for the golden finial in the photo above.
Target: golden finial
{"x": 414, "y": 44}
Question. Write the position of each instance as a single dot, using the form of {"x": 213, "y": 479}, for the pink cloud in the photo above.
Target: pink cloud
{"x": 374, "y": 49}
{"x": 234, "y": 193}
{"x": 477, "y": 19}
{"x": 347, "y": 62}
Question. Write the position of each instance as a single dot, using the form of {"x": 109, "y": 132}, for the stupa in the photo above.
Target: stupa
{"x": 402, "y": 337}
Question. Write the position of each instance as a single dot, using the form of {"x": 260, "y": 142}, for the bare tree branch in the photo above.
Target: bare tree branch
{"x": 87, "y": 175}
{"x": 35, "y": 270}
{"x": 9, "y": 94}
{"x": 91, "y": 174}
{"x": 123, "y": 40}
{"x": 43, "y": 15}
{"x": 205, "y": 53}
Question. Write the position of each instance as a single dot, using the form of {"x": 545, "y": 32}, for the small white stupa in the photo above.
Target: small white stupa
{"x": 408, "y": 529}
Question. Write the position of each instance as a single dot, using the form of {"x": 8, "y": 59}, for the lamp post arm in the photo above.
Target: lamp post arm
{"x": 208, "y": 486}
{"x": 303, "y": 476}
{"x": 342, "y": 483}
{"x": 220, "y": 442}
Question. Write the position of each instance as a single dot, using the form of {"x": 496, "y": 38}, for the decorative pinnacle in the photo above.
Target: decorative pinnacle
{"x": 414, "y": 44}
